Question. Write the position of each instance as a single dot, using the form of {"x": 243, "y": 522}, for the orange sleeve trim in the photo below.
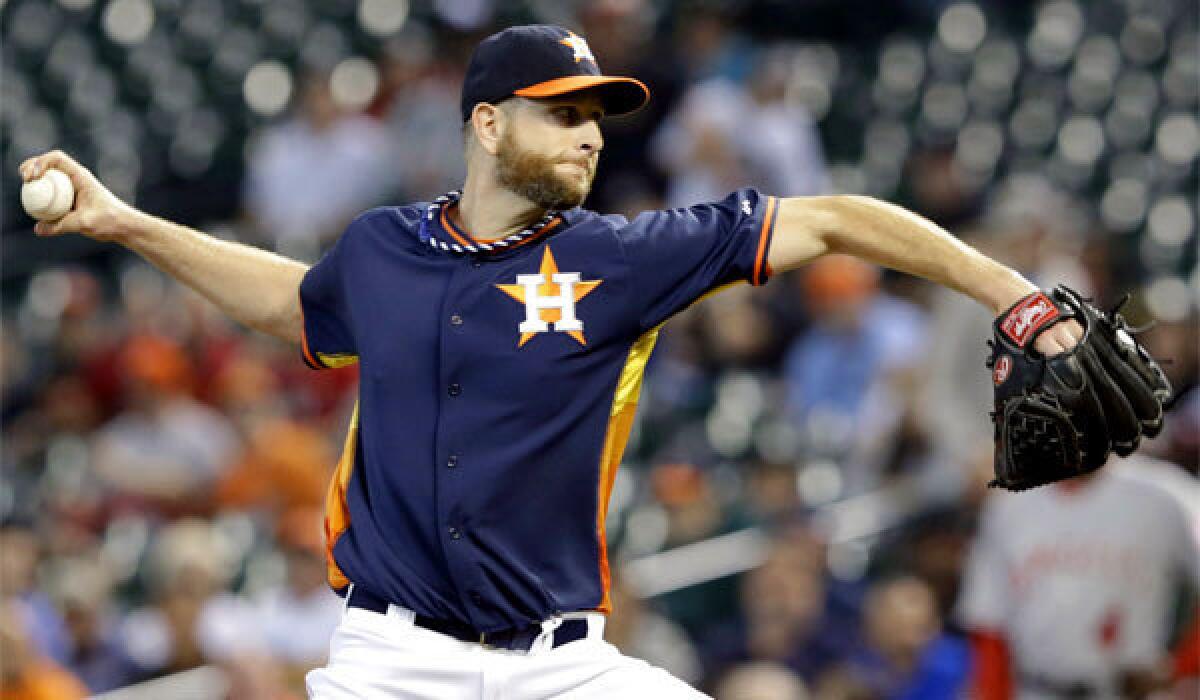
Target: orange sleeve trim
{"x": 309, "y": 358}
{"x": 991, "y": 674}
{"x": 764, "y": 236}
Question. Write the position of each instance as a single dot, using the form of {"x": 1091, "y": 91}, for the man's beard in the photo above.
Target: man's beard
{"x": 533, "y": 177}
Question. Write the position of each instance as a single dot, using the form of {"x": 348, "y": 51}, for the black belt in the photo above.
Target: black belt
{"x": 516, "y": 639}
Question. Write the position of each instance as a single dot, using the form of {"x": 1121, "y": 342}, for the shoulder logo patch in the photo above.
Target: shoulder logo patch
{"x": 549, "y": 298}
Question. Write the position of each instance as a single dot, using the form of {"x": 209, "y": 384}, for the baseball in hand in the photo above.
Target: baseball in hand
{"x": 49, "y": 197}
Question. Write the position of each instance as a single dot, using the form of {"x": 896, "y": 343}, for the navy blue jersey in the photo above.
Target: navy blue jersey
{"x": 497, "y": 391}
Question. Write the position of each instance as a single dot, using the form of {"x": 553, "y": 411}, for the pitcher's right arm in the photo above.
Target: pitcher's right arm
{"x": 254, "y": 287}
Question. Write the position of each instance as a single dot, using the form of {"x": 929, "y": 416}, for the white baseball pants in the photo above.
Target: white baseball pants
{"x": 387, "y": 657}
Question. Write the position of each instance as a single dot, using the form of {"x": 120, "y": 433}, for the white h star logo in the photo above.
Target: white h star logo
{"x": 549, "y": 298}
{"x": 535, "y": 302}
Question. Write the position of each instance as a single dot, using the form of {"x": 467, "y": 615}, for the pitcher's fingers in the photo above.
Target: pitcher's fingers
{"x": 61, "y": 161}
{"x": 1048, "y": 345}
{"x": 1071, "y": 334}
{"x": 1074, "y": 329}
{"x": 69, "y": 223}
{"x": 26, "y": 169}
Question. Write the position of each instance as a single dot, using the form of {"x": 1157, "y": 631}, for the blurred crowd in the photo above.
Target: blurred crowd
{"x": 164, "y": 471}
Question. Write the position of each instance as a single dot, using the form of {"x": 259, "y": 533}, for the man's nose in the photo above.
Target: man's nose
{"x": 591, "y": 140}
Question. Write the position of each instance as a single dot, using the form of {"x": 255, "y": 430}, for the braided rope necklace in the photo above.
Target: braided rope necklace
{"x": 450, "y": 199}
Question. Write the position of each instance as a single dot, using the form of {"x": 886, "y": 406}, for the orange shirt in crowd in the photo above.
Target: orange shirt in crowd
{"x": 44, "y": 680}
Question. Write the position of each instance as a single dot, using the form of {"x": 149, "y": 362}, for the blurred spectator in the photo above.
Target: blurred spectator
{"x": 842, "y": 371}
{"x": 16, "y": 377}
{"x": 254, "y": 676}
{"x": 694, "y": 513}
{"x": 1180, "y": 442}
{"x": 1070, "y": 588}
{"x": 1175, "y": 342}
{"x": 422, "y": 116}
{"x": 761, "y": 680}
{"x": 85, "y": 594}
{"x": 905, "y": 654}
{"x": 166, "y": 450}
{"x": 621, "y": 36}
{"x": 309, "y": 176}
{"x": 41, "y": 625}
{"x": 286, "y": 463}
{"x": 188, "y": 564}
{"x": 298, "y": 616}
{"x": 933, "y": 546}
{"x": 710, "y": 43}
{"x": 723, "y": 136}
{"x": 24, "y": 673}
{"x": 939, "y": 188}
{"x": 736, "y": 329}
{"x": 772, "y": 492}
{"x": 695, "y": 145}
{"x": 641, "y": 632}
{"x": 783, "y": 613}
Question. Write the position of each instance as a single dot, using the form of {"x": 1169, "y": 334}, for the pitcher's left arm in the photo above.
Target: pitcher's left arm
{"x": 896, "y": 238}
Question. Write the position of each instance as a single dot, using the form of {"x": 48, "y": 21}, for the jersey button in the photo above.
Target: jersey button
{"x": 456, "y": 320}
{"x": 454, "y": 389}
{"x": 452, "y": 461}
{"x": 455, "y": 533}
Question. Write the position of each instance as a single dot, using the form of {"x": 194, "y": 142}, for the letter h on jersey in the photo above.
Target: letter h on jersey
{"x": 535, "y": 302}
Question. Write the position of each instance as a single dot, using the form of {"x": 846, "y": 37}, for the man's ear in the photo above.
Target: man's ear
{"x": 489, "y": 122}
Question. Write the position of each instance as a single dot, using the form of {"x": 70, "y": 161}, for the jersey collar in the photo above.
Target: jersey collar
{"x": 439, "y": 232}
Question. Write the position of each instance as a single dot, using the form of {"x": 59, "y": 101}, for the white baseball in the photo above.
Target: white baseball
{"x": 49, "y": 197}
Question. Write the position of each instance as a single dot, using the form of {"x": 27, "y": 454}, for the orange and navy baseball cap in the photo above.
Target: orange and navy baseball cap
{"x": 542, "y": 60}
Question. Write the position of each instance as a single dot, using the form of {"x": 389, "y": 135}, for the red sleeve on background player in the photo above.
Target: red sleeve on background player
{"x": 992, "y": 672}
{"x": 1187, "y": 651}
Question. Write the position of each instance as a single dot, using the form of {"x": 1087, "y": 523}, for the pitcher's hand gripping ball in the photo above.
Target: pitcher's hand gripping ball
{"x": 49, "y": 197}
{"x": 1061, "y": 416}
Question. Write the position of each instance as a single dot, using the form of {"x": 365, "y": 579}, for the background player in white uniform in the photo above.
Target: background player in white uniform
{"x": 1070, "y": 589}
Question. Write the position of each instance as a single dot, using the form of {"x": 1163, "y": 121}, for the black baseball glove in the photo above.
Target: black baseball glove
{"x": 1061, "y": 416}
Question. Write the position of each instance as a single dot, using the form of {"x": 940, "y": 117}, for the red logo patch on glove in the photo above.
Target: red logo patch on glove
{"x": 1029, "y": 316}
{"x": 1002, "y": 369}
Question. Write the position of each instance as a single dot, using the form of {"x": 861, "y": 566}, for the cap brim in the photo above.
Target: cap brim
{"x": 620, "y": 95}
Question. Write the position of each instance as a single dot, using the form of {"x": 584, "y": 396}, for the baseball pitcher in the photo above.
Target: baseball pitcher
{"x": 502, "y": 332}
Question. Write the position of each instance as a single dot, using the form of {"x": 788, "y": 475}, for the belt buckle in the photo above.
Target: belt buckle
{"x": 483, "y": 641}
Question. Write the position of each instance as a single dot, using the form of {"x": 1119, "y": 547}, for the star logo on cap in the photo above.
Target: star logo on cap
{"x": 579, "y": 46}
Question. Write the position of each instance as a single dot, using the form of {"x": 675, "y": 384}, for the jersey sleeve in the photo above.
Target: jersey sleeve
{"x": 328, "y": 339}
{"x": 678, "y": 255}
